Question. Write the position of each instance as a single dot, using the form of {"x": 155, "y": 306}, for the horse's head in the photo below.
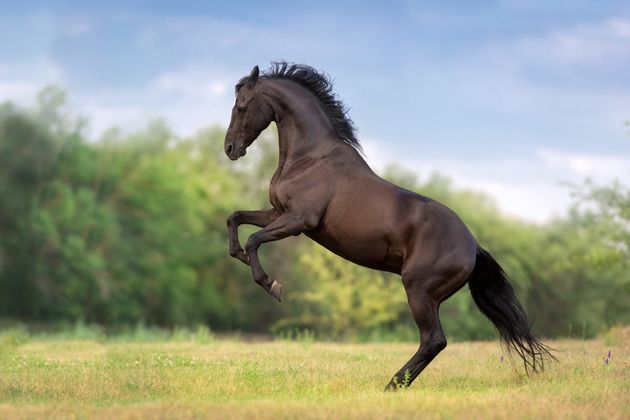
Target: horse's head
{"x": 251, "y": 114}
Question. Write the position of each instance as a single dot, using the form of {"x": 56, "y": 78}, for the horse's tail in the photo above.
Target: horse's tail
{"x": 495, "y": 297}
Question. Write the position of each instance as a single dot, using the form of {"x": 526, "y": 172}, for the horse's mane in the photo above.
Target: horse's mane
{"x": 320, "y": 85}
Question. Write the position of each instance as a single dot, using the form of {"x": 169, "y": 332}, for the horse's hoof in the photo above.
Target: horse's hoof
{"x": 391, "y": 387}
{"x": 276, "y": 290}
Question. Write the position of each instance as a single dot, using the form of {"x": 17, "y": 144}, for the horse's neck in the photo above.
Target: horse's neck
{"x": 296, "y": 140}
{"x": 300, "y": 146}
{"x": 303, "y": 127}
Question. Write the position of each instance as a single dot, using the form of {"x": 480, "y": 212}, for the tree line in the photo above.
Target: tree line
{"x": 130, "y": 228}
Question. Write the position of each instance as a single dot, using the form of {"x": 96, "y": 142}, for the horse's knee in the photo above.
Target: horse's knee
{"x": 238, "y": 253}
{"x": 233, "y": 218}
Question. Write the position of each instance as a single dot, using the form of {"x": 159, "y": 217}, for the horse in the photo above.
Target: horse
{"x": 323, "y": 188}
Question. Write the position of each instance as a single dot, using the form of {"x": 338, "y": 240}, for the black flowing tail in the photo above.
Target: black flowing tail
{"x": 495, "y": 297}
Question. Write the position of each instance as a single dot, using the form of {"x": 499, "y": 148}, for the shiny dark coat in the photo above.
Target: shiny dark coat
{"x": 324, "y": 189}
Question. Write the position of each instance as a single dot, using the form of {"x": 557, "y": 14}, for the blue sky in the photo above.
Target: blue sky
{"x": 508, "y": 97}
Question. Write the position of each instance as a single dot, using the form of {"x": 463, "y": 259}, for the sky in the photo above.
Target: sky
{"x": 512, "y": 98}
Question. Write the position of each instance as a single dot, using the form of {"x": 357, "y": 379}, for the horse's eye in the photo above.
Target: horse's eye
{"x": 242, "y": 109}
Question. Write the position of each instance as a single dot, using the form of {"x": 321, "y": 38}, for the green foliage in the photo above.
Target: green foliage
{"x": 129, "y": 230}
{"x": 124, "y": 230}
{"x": 343, "y": 299}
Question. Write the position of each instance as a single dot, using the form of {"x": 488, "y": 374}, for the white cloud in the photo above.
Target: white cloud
{"x": 22, "y": 87}
{"x": 207, "y": 36}
{"x": 567, "y": 83}
{"x": 191, "y": 83}
{"x": 620, "y": 27}
{"x": 18, "y": 90}
{"x": 185, "y": 110}
{"x": 133, "y": 109}
{"x": 604, "y": 168}
{"x": 103, "y": 116}
{"x": 509, "y": 74}
{"x": 527, "y": 187}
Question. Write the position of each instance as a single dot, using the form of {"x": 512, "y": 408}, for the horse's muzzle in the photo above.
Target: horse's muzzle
{"x": 234, "y": 152}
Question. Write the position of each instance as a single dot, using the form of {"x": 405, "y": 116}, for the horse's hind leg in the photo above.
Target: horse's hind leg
{"x": 426, "y": 289}
{"x": 425, "y": 312}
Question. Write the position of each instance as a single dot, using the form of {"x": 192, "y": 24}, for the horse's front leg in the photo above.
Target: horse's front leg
{"x": 260, "y": 218}
{"x": 285, "y": 225}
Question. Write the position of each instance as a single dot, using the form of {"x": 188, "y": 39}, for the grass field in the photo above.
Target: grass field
{"x": 69, "y": 378}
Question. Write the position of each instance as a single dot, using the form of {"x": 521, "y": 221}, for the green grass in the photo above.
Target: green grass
{"x": 201, "y": 376}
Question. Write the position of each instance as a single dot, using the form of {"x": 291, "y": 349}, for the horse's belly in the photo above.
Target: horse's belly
{"x": 372, "y": 251}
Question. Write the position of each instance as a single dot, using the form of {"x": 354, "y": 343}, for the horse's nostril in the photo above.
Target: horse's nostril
{"x": 229, "y": 149}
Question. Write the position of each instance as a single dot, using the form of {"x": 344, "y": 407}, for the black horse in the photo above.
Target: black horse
{"x": 324, "y": 189}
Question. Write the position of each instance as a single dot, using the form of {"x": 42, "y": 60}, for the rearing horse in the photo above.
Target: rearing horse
{"x": 324, "y": 189}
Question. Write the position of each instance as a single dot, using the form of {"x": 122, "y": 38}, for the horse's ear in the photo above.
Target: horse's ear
{"x": 253, "y": 76}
